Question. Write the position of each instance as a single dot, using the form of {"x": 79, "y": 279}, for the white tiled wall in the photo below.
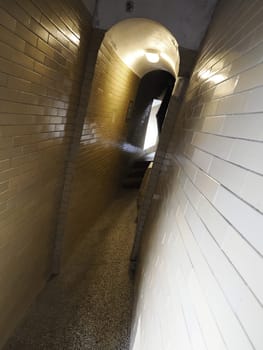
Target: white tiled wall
{"x": 200, "y": 282}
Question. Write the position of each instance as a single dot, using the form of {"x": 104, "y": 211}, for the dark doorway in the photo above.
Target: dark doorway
{"x": 154, "y": 85}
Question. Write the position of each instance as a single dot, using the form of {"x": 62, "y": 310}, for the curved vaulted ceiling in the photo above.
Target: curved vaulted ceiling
{"x": 133, "y": 39}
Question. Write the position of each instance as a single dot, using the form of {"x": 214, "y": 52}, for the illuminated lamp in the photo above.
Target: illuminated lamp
{"x": 152, "y": 56}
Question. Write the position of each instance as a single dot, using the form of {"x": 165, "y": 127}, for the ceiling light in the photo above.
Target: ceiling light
{"x": 152, "y": 56}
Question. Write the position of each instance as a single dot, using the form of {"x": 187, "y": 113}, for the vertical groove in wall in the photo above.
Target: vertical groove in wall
{"x": 42, "y": 51}
{"x": 200, "y": 279}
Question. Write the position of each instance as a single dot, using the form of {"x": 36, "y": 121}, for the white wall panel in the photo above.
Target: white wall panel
{"x": 206, "y": 228}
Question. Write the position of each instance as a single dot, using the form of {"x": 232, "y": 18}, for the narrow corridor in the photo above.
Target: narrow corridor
{"x": 89, "y": 305}
{"x": 79, "y": 80}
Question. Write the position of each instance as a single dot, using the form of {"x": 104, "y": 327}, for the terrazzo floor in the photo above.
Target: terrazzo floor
{"x": 89, "y": 305}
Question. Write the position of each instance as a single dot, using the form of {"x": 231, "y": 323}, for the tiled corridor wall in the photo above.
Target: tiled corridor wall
{"x": 200, "y": 277}
{"x": 98, "y": 165}
{"x": 42, "y": 51}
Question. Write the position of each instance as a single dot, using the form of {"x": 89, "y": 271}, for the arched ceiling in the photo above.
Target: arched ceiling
{"x": 133, "y": 38}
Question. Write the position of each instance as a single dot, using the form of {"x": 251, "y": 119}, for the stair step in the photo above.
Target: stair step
{"x": 132, "y": 183}
{"x": 140, "y": 164}
{"x": 136, "y": 171}
{"x": 135, "y": 174}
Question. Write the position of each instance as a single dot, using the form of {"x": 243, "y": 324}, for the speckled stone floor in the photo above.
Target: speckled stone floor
{"x": 89, "y": 305}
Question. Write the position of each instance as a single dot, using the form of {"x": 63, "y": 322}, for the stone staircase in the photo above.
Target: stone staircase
{"x": 135, "y": 173}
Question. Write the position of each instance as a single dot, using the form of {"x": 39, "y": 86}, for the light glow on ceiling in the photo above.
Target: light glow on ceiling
{"x": 152, "y": 57}
{"x": 133, "y": 56}
{"x": 144, "y": 45}
{"x": 169, "y": 60}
